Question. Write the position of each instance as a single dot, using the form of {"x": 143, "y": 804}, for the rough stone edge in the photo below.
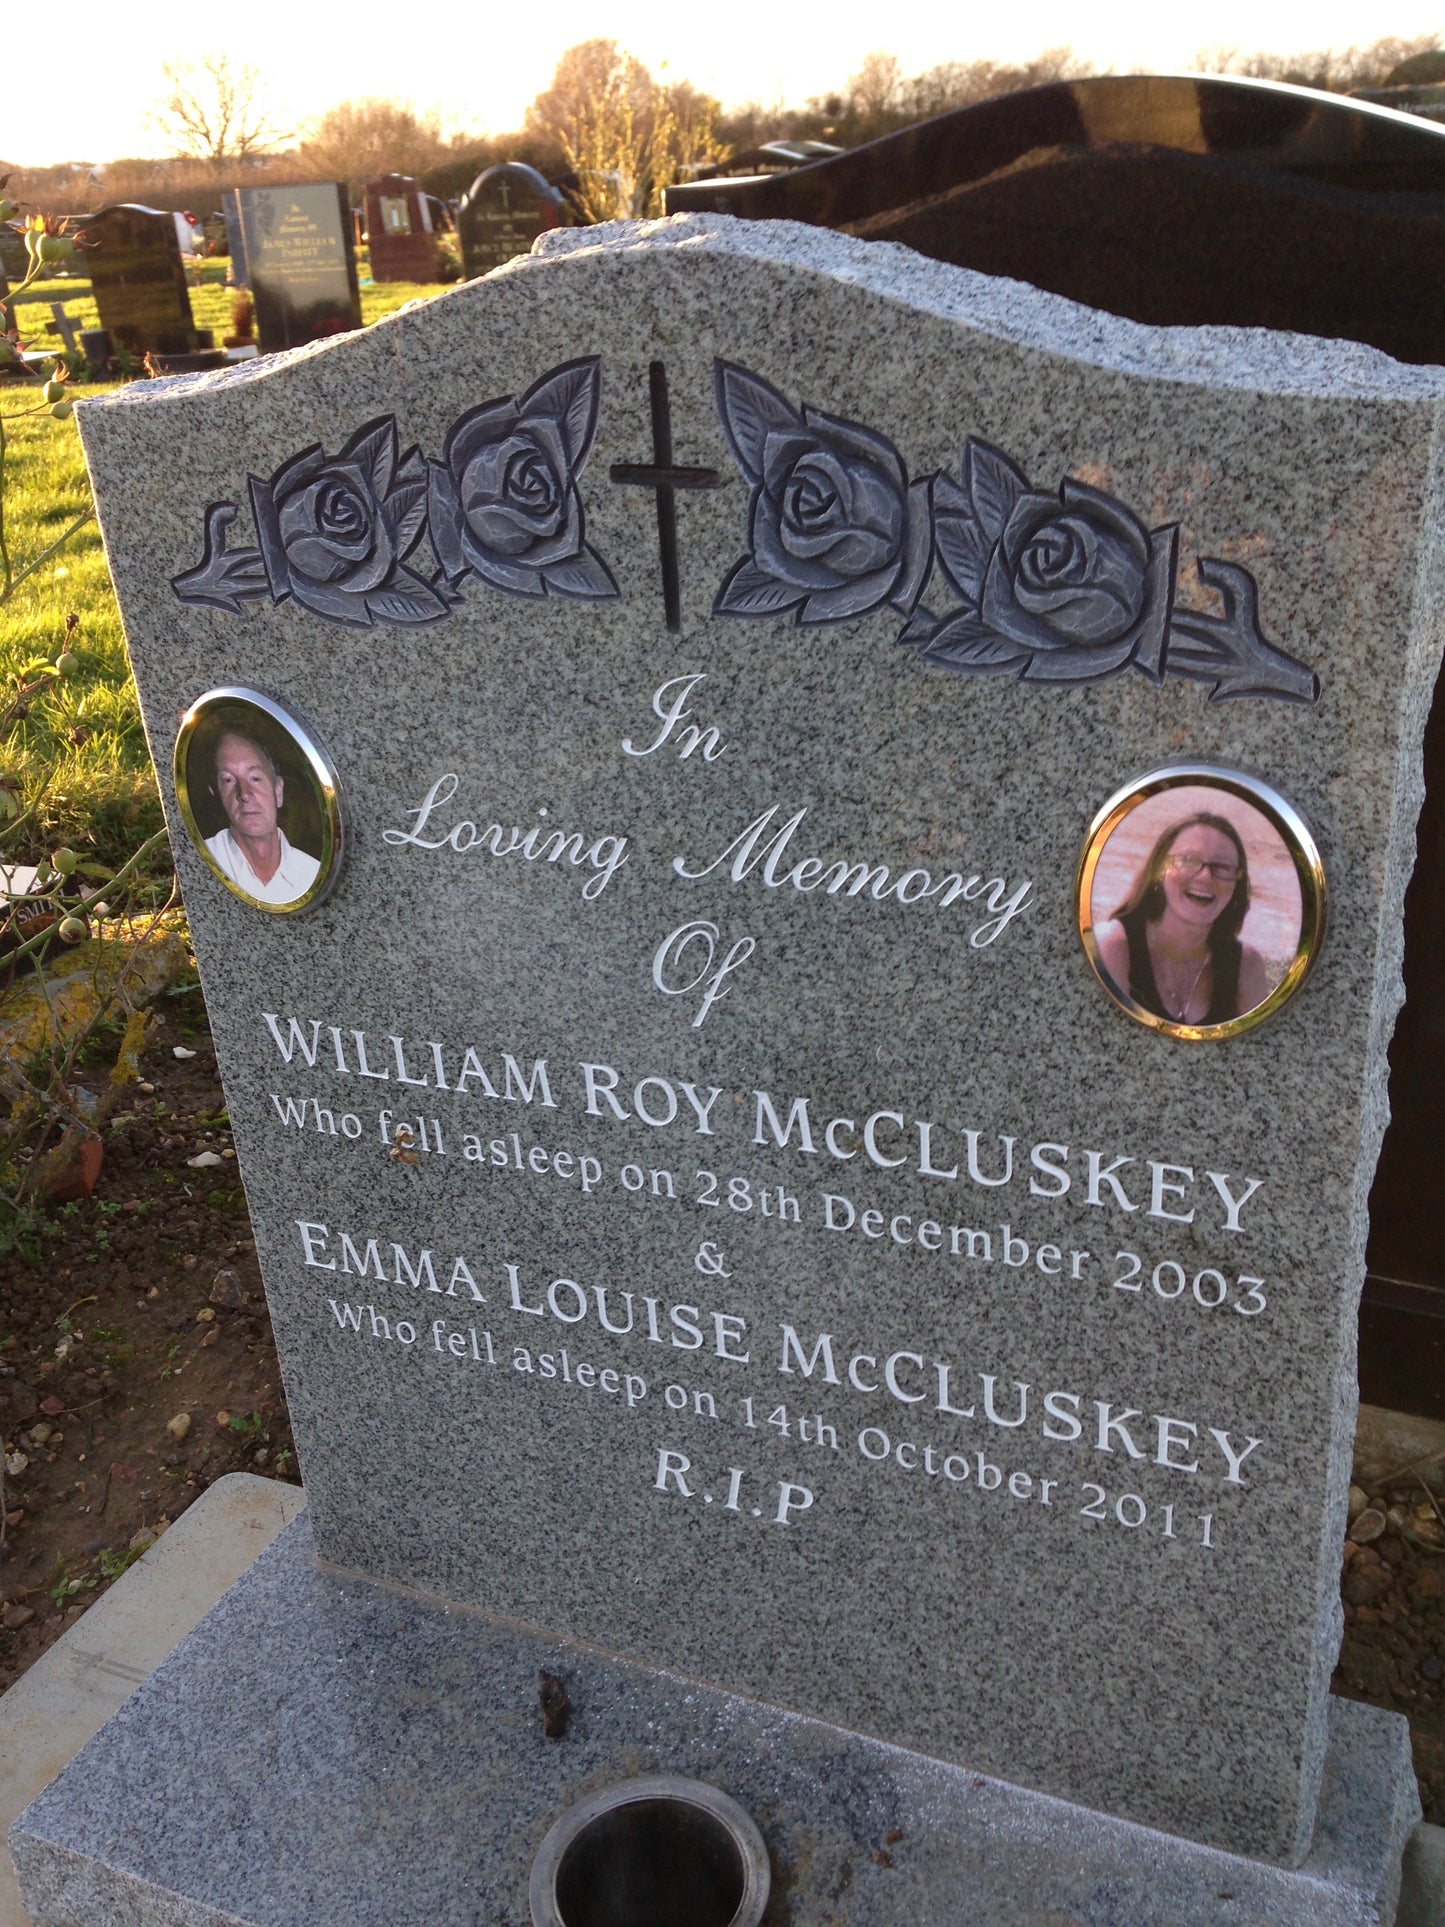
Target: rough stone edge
{"x": 1387, "y": 1757}
{"x": 1424, "y": 644}
{"x": 1424, "y": 641}
{"x": 64, "y": 1888}
{"x": 1422, "y": 1894}
{"x": 1013, "y": 311}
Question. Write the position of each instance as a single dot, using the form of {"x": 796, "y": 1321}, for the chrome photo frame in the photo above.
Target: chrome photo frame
{"x": 320, "y": 772}
{"x": 1298, "y": 841}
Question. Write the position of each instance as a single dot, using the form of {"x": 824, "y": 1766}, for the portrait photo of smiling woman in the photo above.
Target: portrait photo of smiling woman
{"x": 259, "y": 799}
{"x": 1201, "y": 901}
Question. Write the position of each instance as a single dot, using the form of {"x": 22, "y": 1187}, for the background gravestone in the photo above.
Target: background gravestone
{"x": 503, "y": 212}
{"x": 12, "y": 252}
{"x": 1285, "y": 208}
{"x": 133, "y": 258}
{"x": 829, "y": 1295}
{"x": 400, "y": 236}
{"x": 300, "y": 262}
{"x": 235, "y": 242}
{"x": 1293, "y": 210}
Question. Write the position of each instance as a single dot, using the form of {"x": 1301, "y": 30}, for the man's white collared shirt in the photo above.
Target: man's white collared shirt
{"x": 293, "y": 877}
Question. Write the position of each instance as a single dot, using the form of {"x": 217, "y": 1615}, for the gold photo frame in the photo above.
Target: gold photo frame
{"x": 260, "y": 800}
{"x": 1201, "y": 900}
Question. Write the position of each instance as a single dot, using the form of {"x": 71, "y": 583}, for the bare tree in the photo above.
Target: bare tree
{"x": 954, "y": 83}
{"x": 881, "y": 97}
{"x": 1333, "y": 70}
{"x": 215, "y": 112}
{"x": 877, "y": 86}
{"x": 359, "y": 139}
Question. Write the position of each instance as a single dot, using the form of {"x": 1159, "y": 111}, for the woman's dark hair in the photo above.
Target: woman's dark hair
{"x": 1145, "y": 901}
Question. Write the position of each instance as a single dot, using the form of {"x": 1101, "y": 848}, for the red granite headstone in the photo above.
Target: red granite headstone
{"x": 400, "y": 230}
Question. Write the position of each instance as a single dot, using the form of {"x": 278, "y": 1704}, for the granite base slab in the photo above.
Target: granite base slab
{"x": 325, "y": 1750}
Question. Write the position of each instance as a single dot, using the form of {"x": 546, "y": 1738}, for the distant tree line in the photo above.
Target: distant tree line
{"x": 612, "y": 131}
{"x": 1333, "y": 71}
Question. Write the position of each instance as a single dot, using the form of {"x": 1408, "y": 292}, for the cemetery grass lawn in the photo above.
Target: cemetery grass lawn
{"x": 211, "y": 303}
{"x": 100, "y": 1341}
{"x": 82, "y": 745}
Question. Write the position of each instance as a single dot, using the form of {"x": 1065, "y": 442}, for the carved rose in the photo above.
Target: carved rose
{"x": 335, "y": 531}
{"x": 835, "y": 527}
{"x": 1070, "y": 570}
{"x": 1056, "y": 588}
{"x": 504, "y": 499}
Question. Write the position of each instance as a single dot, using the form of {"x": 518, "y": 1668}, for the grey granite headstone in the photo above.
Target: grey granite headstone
{"x": 693, "y": 1226}
{"x": 235, "y": 242}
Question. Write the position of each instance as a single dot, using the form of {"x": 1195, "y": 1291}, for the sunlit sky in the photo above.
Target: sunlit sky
{"x": 481, "y": 64}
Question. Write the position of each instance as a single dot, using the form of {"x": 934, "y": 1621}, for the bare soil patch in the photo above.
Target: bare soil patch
{"x": 142, "y": 1304}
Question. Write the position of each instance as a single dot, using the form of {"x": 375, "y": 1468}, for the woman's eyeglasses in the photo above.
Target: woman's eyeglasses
{"x": 1190, "y": 866}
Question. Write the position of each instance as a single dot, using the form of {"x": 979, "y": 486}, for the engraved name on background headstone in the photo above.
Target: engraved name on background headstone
{"x": 298, "y": 259}
{"x": 502, "y": 213}
{"x": 807, "y": 1132}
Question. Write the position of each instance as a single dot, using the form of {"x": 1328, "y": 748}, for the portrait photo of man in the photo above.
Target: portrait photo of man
{"x": 258, "y": 798}
{"x": 253, "y": 850}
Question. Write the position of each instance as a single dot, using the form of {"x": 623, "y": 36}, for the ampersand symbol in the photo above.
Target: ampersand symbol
{"x": 709, "y": 1261}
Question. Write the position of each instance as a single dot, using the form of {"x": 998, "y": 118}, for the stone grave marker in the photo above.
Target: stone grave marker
{"x": 1306, "y": 212}
{"x": 13, "y": 260}
{"x": 400, "y": 233}
{"x": 503, "y": 212}
{"x": 300, "y": 262}
{"x": 235, "y": 242}
{"x": 801, "y": 943}
{"x": 133, "y": 258}
{"x": 1303, "y": 210}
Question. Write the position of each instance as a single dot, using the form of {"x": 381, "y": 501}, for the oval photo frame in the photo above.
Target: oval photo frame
{"x": 1272, "y": 938}
{"x": 295, "y": 796}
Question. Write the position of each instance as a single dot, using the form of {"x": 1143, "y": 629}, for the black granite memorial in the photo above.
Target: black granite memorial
{"x": 503, "y": 212}
{"x": 1183, "y": 201}
{"x": 133, "y": 257}
{"x": 299, "y": 261}
{"x": 772, "y": 157}
{"x": 1168, "y": 200}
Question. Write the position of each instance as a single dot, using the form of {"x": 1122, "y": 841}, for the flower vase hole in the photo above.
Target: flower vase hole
{"x": 659, "y": 1852}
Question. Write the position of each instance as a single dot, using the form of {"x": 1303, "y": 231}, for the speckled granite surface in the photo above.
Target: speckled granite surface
{"x": 616, "y": 1415}
{"x": 323, "y": 1752}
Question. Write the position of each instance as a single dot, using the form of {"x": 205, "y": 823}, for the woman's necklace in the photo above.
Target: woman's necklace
{"x": 1177, "y": 1008}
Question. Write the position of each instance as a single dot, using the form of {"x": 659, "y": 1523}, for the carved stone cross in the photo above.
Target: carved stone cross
{"x": 666, "y": 477}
